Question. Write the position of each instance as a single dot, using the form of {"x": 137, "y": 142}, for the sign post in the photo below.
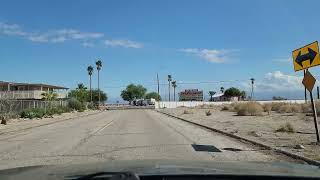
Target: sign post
{"x": 309, "y": 81}
{"x": 304, "y": 58}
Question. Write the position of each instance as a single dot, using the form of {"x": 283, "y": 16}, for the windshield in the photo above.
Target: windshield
{"x": 205, "y": 81}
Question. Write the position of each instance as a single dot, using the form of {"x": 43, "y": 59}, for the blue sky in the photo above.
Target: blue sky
{"x": 195, "y": 41}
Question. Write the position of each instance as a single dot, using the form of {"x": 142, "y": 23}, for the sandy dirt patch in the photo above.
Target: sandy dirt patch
{"x": 259, "y": 128}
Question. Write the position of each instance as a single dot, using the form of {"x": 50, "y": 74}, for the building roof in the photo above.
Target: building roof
{"x": 33, "y": 84}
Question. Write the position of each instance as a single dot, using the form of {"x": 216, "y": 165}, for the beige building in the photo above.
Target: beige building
{"x": 14, "y": 90}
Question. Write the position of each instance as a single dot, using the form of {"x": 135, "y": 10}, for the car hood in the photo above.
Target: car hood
{"x": 162, "y": 167}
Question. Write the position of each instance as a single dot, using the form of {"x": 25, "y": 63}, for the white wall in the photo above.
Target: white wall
{"x": 166, "y": 104}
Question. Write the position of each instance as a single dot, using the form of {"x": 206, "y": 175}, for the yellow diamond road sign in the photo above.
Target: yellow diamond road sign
{"x": 308, "y": 81}
{"x": 306, "y": 57}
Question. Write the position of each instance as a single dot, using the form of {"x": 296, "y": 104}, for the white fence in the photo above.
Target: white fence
{"x": 166, "y": 104}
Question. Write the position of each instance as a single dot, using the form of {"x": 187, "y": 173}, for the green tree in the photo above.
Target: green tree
{"x": 211, "y": 93}
{"x": 232, "y": 92}
{"x": 243, "y": 95}
{"x": 80, "y": 93}
{"x": 153, "y": 95}
{"x": 99, "y": 66}
{"x": 133, "y": 92}
{"x": 90, "y": 72}
{"x": 95, "y": 96}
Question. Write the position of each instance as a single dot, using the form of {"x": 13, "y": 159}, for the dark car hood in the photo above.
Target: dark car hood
{"x": 162, "y": 167}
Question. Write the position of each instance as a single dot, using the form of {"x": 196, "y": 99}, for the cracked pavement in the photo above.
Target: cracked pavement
{"x": 121, "y": 135}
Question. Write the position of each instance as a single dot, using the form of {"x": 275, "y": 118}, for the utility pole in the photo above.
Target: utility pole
{"x": 252, "y": 82}
{"x": 318, "y": 95}
{"x": 158, "y": 85}
{"x": 169, "y": 81}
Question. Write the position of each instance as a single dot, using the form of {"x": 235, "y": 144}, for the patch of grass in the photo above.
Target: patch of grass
{"x": 286, "y": 128}
{"x": 41, "y": 112}
{"x": 33, "y": 113}
{"x": 250, "y": 109}
{"x": 208, "y": 113}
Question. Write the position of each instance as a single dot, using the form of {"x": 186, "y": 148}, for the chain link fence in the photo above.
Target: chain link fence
{"x": 11, "y": 107}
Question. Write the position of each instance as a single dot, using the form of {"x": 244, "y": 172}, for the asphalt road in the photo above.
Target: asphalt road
{"x": 120, "y": 135}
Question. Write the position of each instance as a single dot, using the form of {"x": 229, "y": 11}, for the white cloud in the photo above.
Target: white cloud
{"x": 211, "y": 55}
{"x": 283, "y": 60}
{"x": 38, "y": 38}
{"x": 75, "y": 34}
{"x": 87, "y": 44}
{"x": 11, "y": 29}
{"x": 278, "y": 81}
{"x": 53, "y": 36}
{"x": 123, "y": 43}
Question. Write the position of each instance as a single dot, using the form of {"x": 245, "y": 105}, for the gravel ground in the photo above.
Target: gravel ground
{"x": 260, "y": 128}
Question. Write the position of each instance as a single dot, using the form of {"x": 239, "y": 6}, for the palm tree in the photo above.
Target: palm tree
{"x": 81, "y": 86}
{"x": 169, "y": 80}
{"x": 99, "y": 66}
{"x": 174, "y": 85}
{"x": 222, "y": 89}
{"x": 211, "y": 93}
{"x": 49, "y": 96}
{"x": 90, "y": 72}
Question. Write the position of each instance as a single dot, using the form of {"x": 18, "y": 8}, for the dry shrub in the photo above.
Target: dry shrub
{"x": 286, "y": 128}
{"x": 202, "y": 106}
{"x": 237, "y": 107}
{"x": 306, "y": 108}
{"x": 317, "y": 104}
{"x": 290, "y": 108}
{"x": 284, "y": 108}
{"x": 208, "y": 113}
{"x": 225, "y": 108}
{"x": 275, "y": 106}
{"x": 250, "y": 109}
{"x": 186, "y": 112}
{"x": 296, "y": 108}
{"x": 267, "y": 107}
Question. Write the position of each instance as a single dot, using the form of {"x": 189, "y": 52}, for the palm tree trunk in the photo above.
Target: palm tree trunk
{"x": 90, "y": 90}
{"x": 169, "y": 91}
{"x": 99, "y": 85}
{"x": 174, "y": 94}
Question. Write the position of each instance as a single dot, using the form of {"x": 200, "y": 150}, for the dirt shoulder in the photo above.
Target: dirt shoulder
{"x": 259, "y": 128}
{"x": 15, "y": 125}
